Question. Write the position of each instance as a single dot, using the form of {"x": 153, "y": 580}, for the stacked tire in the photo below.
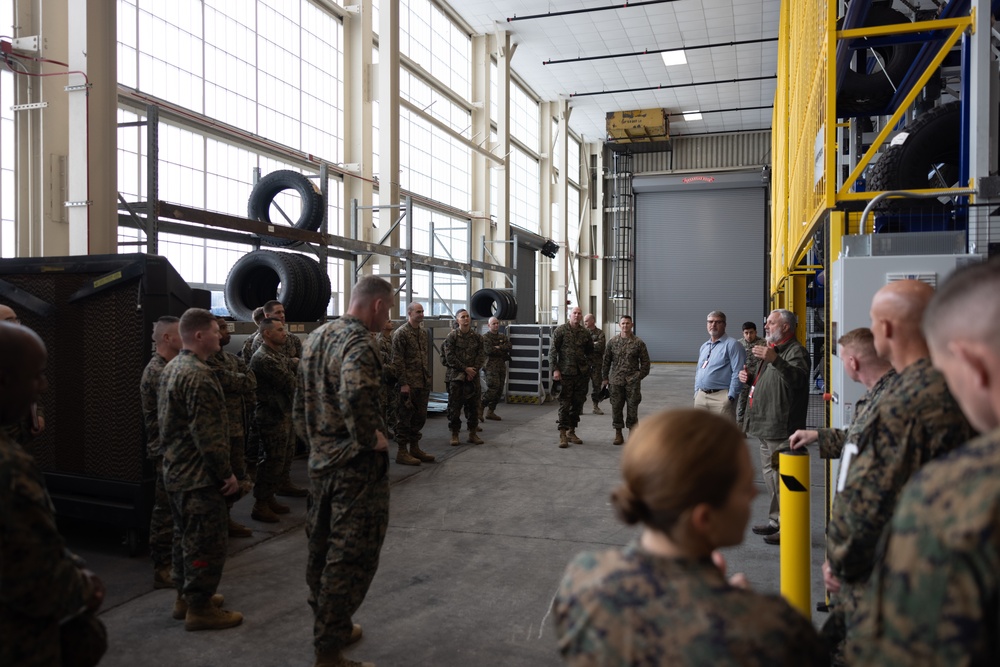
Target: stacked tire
{"x": 311, "y": 204}
{"x": 498, "y": 303}
{"x": 297, "y": 281}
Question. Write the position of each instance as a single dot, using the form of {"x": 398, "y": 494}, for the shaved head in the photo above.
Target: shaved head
{"x": 897, "y": 313}
{"x": 22, "y": 371}
{"x": 966, "y": 307}
{"x": 7, "y": 314}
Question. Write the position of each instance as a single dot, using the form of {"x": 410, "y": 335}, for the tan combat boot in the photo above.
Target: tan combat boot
{"x": 237, "y": 529}
{"x": 619, "y": 440}
{"x": 163, "y": 577}
{"x": 209, "y": 617}
{"x": 420, "y": 454}
{"x": 597, "y": 409}
{"x": 277, "y": 507}
{"x": 563, "y": 442}
{"x": 473, "y": 438}
{"x": 403, "y": 457}
{"x": 490, "y": 414}
{"x": 454, "y": 439}
{"x": 333, "y": 658}
{"x": 181, "y": 606}
{"x": 262, "y": 512}
{"x": 571, "y": 436}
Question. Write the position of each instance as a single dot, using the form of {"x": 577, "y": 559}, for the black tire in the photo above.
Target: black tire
{"x": 318, "y": 288}
{"x": 924, "y": 155}
{"x": 311, "y": 203}
{"x": 862, "y": 94}
{"x": 259, "y": 277}
{"x": 487, "y": 303}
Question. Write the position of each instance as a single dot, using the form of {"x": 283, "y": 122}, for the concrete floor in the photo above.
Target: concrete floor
{"x": 476, "y": 546}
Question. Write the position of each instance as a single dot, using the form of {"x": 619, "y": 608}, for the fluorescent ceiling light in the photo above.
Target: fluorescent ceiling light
{"x": 671, "y": 58}
{"x": 692, "y": 115}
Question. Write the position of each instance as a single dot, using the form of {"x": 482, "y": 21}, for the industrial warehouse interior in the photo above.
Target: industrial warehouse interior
{"x": 647, "y": 162}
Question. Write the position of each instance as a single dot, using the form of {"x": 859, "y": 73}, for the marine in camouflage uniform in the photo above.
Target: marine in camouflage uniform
{"x": 387, "y": 392}
{"x": 751, "y": 364}
{"x": 161, "y": 522}
{"x": 497, "y": 347}
{"x": 463, "y": 350}
{"x": 275, "y": 376}
{"x": 409, "y": 361}
{"x": 629, "y": 608}
{"x": 336, "y": 411}
{"x": 596, "y": 361}
{"x": 831, "y": 441}
{"x": 569, "y": 355}
{"x": 194, "y": 432}
{"x": 626, "y": 363}
{"x": 916, "y": 420}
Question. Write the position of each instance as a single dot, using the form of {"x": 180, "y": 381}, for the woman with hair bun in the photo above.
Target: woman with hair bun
{"x": 664, "y": 599}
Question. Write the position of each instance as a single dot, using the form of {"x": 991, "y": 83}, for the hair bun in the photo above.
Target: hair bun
{"x": 628, "y": 507}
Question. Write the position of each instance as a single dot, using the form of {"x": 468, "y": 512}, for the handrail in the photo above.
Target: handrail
{"x": 925, "y": 194}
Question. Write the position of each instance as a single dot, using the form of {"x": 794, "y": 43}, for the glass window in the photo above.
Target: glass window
{"x": 573, "y": 160}
{"x": 524, "y": 191}
{"x": 524, "y": 120}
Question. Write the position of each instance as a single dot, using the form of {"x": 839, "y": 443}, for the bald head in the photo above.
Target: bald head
{"x": 7, "y": 314}
{"x": 896, "y": 313}
{"x": 966, "y": 307}
{"x": 22, "y": 371}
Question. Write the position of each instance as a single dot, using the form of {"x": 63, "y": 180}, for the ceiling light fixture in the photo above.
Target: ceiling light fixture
{"x": 675, "y": 57}
{"x": 692, "y": 115}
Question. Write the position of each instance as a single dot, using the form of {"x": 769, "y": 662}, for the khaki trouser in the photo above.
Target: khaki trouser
{"x": 717, "y": 402}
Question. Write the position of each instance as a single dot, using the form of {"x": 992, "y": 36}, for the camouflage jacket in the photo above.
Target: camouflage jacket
{"x": 571, "y": 350}
{"x": 41, "y": 583}
{"x": 461, "y": 351}
{"x": 291, "y": 348}
{"x": 384, "y": 345}
{"x": 752, "y": 362}
{"x": 238, "y": 384}
{"x": 194, "y": 428}
{"x": 248, "y": 347}
{"x": 600, "y": 342}
{"x": 336, "y": 409}
{"x": 275, "y": 385}
{"x": 409, "y": 356}
{"x": 149, "y": 384}
{"x": 628, "y": 608}
{"x": 626, "y": 360}
{"x": 916, "y": 420}
{"x": 497, "y": 347}
{"x": 933, "y": 599}
{"x": 779, "y": 399}
{"x": 831, "y": 440}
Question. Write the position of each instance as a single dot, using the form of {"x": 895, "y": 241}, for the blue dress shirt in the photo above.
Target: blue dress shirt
{"x": 719, "y": 366}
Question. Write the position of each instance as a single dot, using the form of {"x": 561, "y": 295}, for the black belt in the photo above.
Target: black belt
{"x": 710, "y": 391}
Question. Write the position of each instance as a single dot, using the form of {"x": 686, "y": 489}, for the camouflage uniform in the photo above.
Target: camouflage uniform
{"x": 194, "y": 432}
{"x": 933, "y": 599}
{"x": 597, "y": 363}
{"x": 626, "y": 363}
{"x": 41, "y": 583}
{"x": 629, "y": 608}
{"x": 291, "y": 348}
{"x": 239, "y": 386}
{"x": 460, "y": 351}
{"x": 161, "y": 522}
{"x": 387, "y": 393}
{"x": 570, "y": 354}
{"x": 916, "y": 420}
{"x": 752, "y": 364}
{"x": 336, "y": 412}
{"x": 272, "y": 417}
{"x": 497, "y": 347}
{"x": 831, "y": 440}
{"x": 409, "y": 361}
{"x": 248, "y": 347}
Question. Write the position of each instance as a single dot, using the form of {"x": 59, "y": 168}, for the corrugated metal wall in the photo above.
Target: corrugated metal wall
{"x": 713, "y": 151}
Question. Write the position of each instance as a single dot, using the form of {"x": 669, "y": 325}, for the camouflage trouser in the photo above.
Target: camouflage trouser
{"x": 387, "y": 403}
{"x": 622, "y": 395}
{"x": 494, "y": 386}
{"x": 252, "y": 449}
{"x": 847, "y": 604}
{"x": 276, "y": 458}
{"x": 346, "y": 520}
{"x": 741, "y": 404}
{"x": 464, "y": 394}
{"x": 571, "y": 399}
{"x": 595, "y": 382}
{"x": 238, "y": 462}
{"x": 161, "y": 522}
{"x": 200, "y": 538}
{"x": 412, "y": 414}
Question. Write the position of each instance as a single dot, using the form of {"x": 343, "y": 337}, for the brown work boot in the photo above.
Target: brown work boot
{"x": 181, "y": 606}
{"x": 238, "y": 529}
{"x": 403, "y": 457}
{"x": 490, "y": 414}
{"x": 333, "y": 658}
{"x": 356, "y": 634}
{"x": 454, "y": 439}
{"x": 619, "y": 440}
{"x": 597, "y": 409}
{"x": 210, "y": 617}
{"x": 563, "y": 442}
{"x": 420, "y": 454}
{"x": 289, "y": 490}
{"x": 473, "y": 438}
{"x": 262, "y": 512}
{"x": 571, "y": 436}
{"x": 277, "y": 507}
{"x": 163, "y": 577}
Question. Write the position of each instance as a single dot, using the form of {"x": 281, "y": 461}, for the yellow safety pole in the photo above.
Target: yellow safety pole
{"x": 793, "y": 471}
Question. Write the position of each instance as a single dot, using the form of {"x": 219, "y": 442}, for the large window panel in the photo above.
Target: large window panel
{"x": 573, "y": 160}
{"x": 433, "y": 163}
{"x": 422, "y": 24}
{"x": 525, "y": 194}
{"x": 573, "y": 217}
{"x": 524, "y": 117}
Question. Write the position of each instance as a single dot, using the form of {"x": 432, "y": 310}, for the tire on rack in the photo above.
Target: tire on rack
{"x": 267, "y": 188}
{"x": 924, "y": 155}
{"x": 261, "y": 276}
{"x": 864, "y": 94}
{"x": 487, "y": 303}
{"x": 318, "y": 287}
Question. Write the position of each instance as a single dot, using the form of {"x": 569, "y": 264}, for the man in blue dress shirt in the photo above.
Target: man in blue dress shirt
{"x": 721, "y": 358}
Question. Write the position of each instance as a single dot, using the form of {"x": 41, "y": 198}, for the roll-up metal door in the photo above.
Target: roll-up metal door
{"x": 697, "y": 251}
